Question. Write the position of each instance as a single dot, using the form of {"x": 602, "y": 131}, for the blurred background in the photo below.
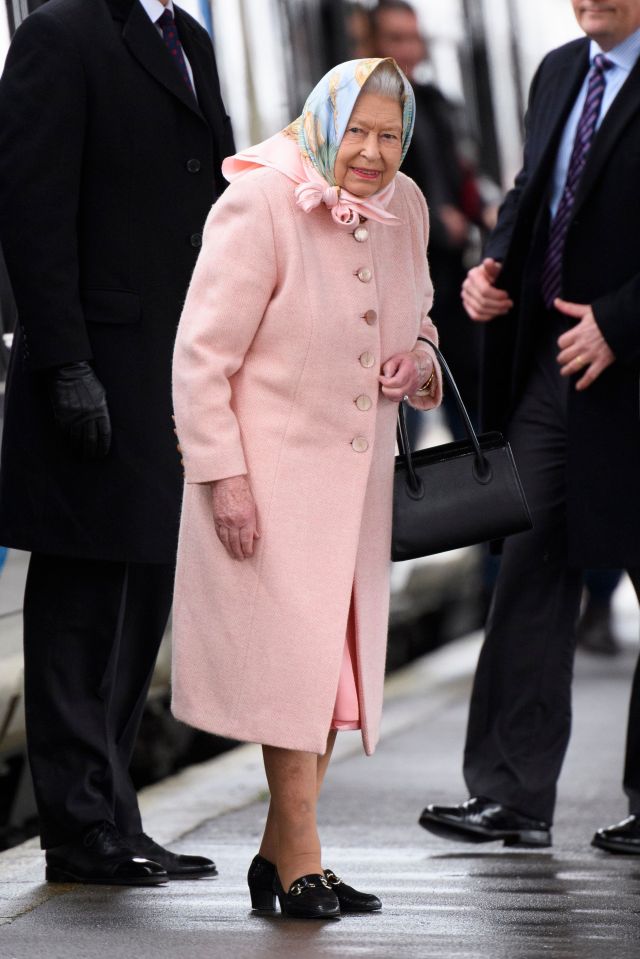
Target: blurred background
{"x": 473, "y": 61}
{"x": 481, "y": 53}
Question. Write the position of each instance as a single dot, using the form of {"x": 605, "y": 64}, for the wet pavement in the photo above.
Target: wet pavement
{"x": 440, "y": 899}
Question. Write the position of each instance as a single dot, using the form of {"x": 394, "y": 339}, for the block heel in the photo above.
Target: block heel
{"x": 263, "y": 900}
{"x": 260, "y": 880}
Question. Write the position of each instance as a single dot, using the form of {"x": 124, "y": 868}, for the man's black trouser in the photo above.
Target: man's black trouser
{"x": 520, "y": 712}
{"x": 91, "y": 635}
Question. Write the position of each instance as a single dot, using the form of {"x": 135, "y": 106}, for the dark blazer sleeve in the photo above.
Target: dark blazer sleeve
{"x": 42, "y": 124}
{"x": 498, "y": 242}
{"x": 617, "y": 317}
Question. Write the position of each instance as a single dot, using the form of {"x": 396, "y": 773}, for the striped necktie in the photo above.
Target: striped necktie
{"x": 551, "y": 282}
{"x": 172, "y": 40}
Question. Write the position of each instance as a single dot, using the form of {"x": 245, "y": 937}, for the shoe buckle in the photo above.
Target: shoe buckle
{"x": 325, "y": 883}
{"x": 298, "y": 887}
{"x": 331, "y": 878}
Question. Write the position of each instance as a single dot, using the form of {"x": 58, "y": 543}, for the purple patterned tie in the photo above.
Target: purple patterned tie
{"x": 552, "y": 267}
{"x": 172, "y": 40}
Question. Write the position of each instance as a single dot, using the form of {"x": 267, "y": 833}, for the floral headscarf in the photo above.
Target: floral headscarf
{"x": 306, "y": 150}
{"x": 325, "y": 115}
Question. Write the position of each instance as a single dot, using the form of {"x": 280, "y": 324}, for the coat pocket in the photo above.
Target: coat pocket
{"x": 112, "y": 307}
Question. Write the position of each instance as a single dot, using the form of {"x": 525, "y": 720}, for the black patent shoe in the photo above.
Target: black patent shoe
{"x": 104, "y": 857}
{"x": 309, "y": 897}
{"x": 261, "y": 877}
{"x": 176, "y": 865}
{"x": 483, "y": 820}
{"x": 349, "y": 898}
{"x": 623, "y": 837}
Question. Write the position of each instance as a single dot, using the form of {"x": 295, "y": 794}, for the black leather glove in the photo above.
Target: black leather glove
{"x": 80, "y": 409}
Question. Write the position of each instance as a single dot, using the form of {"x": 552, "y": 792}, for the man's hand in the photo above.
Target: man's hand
{"x": 583, "y": 347}
{"x": 480, "y": 297}
{"x": 80, "y": 410}
{"x": 234, "y": 513}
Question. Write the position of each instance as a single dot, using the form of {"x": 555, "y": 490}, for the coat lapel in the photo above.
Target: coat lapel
{"x": 199, "y": 57}
{"x": 621, "y": 111}
{"x": 147, "y": 47}
{"x": 562, "y": 86}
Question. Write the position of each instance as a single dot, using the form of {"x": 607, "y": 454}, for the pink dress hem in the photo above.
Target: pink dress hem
{"x": 346, "y": 712}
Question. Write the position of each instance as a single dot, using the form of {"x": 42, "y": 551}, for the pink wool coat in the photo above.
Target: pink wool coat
{"x": 286, "y": 324}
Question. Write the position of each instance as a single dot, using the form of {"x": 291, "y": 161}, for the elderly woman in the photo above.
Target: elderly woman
{"x": 298, "y": 339}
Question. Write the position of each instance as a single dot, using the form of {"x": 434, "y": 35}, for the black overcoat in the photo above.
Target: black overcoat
{"x": 601, "y": 267}
{"x": 108, "y": 168}
{"x": 433, "y": 161}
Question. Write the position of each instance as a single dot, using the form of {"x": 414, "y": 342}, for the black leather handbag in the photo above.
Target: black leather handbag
{"x": 457, "y": 494}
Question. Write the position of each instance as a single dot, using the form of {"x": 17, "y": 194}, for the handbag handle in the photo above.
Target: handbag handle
{"x": 481, "y": 467}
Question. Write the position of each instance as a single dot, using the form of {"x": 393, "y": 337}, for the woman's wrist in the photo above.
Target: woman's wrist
{"x": 427, "y": 387}
{"x": 426, "y": 376}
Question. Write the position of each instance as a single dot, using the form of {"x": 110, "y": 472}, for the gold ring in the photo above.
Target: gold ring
{"x": 579, "y": 360}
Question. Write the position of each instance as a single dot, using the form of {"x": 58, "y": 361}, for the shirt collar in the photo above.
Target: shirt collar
{"x": 623, "y": 56}
{"x": 155, "y": 9}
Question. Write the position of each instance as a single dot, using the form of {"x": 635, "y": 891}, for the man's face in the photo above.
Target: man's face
{"x": 608, "y": 22}
{"x": 398, "y": 36}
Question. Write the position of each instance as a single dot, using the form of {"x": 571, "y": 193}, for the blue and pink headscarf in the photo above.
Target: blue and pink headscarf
{"x": 306, "y": 150}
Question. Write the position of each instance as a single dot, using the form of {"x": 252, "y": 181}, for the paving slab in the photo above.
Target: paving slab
{"x": 440, "y": 899}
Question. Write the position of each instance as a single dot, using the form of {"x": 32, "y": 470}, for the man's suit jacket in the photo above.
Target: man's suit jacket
{"x": 108, "y": 168}
{"x": 601, "y": 267}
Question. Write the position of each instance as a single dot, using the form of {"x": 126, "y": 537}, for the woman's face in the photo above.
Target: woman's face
{"x": 369, "y": 155}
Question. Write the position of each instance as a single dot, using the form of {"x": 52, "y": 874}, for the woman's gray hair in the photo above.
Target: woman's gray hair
{"x": 386, "y": 82}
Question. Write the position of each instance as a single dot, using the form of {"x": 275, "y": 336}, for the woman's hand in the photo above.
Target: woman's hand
{"x": 234, "y": 513}
{"x": 404, "y": 374}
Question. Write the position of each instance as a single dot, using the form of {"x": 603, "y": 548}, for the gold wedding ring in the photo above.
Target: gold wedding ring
{"x": 579, "y": 360}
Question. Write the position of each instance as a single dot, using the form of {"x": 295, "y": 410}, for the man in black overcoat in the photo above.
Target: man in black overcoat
{"x": 112, "y": 133}
{"x": 560, "y": 293}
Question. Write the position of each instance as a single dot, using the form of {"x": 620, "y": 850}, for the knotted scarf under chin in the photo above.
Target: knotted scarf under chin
{"x": 310, "y": 195}
{"x": 345, "y": 208}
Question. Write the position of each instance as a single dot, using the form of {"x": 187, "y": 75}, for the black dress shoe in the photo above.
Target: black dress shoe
{"x": 349, "y": 898}
{"x": 623, "y": 837}
{"x": 483, "y": 820}
{"x": 309, "y": 897}
{"x": 105, "y": 857}
{"x": 176, "y": 865}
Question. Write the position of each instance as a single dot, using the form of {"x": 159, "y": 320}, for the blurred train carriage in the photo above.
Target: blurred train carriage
{"x": 270, "y": 52}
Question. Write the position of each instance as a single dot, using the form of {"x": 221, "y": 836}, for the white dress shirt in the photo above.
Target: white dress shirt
{"x": 154, "y": 10}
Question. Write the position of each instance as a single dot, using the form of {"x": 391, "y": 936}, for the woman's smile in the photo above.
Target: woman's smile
{"x": 364, "y": 173}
